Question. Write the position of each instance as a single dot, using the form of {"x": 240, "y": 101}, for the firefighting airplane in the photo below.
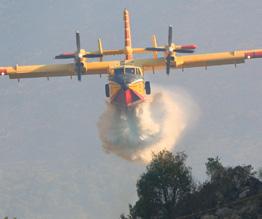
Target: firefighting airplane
{"x": 126, "y": 86}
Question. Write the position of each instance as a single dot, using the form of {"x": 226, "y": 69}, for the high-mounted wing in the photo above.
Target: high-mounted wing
{"x": 212, "y": 59}
{"x": 35, "y": 71}
{"x": 56, "y": 70}
{"x": 200, "y": 60}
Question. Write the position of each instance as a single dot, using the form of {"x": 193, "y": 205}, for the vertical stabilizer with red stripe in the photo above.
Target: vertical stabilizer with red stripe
{"x": 128, "y": 41}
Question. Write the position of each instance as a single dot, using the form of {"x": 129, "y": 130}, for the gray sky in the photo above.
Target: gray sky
{"x": 52, "y": 164}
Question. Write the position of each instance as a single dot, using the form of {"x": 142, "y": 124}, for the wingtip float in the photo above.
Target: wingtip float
{"x": 127, "y": 86}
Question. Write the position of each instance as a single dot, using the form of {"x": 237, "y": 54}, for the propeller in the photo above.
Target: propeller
{"x": 78, "y": 55}
{"x": 171, "y": 48}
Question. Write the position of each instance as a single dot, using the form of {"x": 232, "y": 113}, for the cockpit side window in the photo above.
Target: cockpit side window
{"x": 119, "y": 72}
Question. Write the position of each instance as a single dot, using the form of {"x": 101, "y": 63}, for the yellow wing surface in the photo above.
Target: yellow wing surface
{"x": 56, "y": 70}
{"x": 199, "y": 60}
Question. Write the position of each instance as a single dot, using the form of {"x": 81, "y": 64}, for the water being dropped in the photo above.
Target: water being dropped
{"x": 150, "y": 127}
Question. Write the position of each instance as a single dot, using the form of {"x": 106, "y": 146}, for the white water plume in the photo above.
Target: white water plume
{"x": 152, "y": 126}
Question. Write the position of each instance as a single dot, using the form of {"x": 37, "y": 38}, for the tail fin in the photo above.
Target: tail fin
{"x": 128, "y": 41}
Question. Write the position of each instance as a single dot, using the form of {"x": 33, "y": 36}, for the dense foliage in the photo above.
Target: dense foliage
{"x": 166, "y": 190}
{"x": 166, "y": 182}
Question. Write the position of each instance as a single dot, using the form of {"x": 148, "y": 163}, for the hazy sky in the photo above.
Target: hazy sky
{"x": 52, "y": 164}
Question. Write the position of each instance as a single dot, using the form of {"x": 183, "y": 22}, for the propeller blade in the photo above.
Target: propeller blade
{"x": 158, "y": 49}
{"x": 79, "y": 71}
{"x": 169, "y": 51}
{"x": 92, "y": 55}
{"x": 65, "y": 56}
{"x": 184, "y": 51}
{"x": 77, "y": 57}
{"x": 186, "y": 48}
{"x": 170, "y": 30}
{"x": 78, "y": 42}
{"x": 193, "y": 46}
{"x": 168, "y": 63}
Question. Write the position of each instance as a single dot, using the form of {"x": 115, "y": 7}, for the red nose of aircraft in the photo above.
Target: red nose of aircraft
{"x": 128, "y": 97}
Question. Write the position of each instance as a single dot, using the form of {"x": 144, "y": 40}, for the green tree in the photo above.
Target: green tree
{"x": 214, "y": 168}
{"x": 167, "y": 181}
{"x": 166, "y": 189}
{"x": 225, "y": 184}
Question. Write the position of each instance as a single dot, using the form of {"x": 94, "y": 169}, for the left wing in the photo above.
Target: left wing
{"x": 56, "y": 70}
{"x": 201, "y": 60}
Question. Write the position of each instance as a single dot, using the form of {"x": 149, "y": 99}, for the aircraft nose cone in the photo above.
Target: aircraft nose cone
{"x": 128, "y": 97}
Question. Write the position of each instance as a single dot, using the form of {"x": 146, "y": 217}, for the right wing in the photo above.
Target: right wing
{"x": 212, "y": 59}
{"x": 200, "y": 60}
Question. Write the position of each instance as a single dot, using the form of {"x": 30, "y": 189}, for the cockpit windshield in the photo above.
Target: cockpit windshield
{"x": 130, "y": 71}
{"x": 127, "y": 71}
{"x": 125, "y": 75}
